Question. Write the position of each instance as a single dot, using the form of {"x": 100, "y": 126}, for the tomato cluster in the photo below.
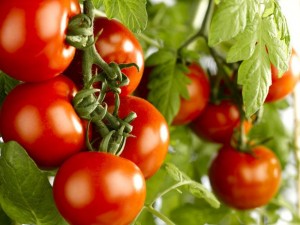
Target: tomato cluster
{"x": 90, "y": 187}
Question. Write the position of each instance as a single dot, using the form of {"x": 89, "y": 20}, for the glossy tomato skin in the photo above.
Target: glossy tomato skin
{"x": 118, "y": 44}
{"x": 95, "y": 188}
{"x": 41, "y": 118}
{"x": 149, "y": 146}
{"x": 32, "y": 38}
{"x": 217, "y": 122}
{"x": 283, "y": 86}
{"x": 199, "y": 93}
{"x": 245, "y": 181}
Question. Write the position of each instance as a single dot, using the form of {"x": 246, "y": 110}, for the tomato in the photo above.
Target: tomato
{"x": 149, "y": 146}
{"x": 118, "y": 44}
{"x": 32, "y": 38}
{"x": 243, "y": 180}
{"x": 96, "y": 188}
{"x": 217, "y": 122}
{"x": 199, "y": 93}
{"x": 115, "y": 44}
{"x": 283, "y": 86}
{"x": 41, "y": 118}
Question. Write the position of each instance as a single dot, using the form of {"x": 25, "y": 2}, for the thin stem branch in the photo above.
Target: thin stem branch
{"x": 201, "y": 31}
{"x": 173, "y": 187}
{"x": 159, "y": 215}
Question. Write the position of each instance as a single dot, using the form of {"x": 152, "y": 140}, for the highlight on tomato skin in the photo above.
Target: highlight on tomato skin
{"x": 34, "y": 49}
{"x": 244, "y": 180}
{"x": 199, "y": 93}
{"x": 97, "y": 188}
{"x": 283, "y": 86}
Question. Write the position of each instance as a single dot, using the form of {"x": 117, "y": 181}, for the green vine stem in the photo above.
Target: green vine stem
{"x": 89, "y": 102}
{"x": 159, "y": 215}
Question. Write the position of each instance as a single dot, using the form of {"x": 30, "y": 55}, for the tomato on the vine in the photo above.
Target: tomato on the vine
{"x": 218, "y": 122}
{"x": 199, "y": 92}
{"x": 245, "y": 180}
{"x": 149, "y": 145}
{"x": 41, "y": 118}
{"x": 96, "y": 188}
{"x": 32, "y": 38}
{"x": 118, "y": 44}
{"x": 283, "y": 86}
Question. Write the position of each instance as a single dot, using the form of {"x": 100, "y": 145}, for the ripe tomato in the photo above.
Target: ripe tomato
{"x": 96, "y": 188}
{"x": 115, "y": 44}
{"x": 283, "y": 86}
{"x": 243, "y": 180}
{"x": 118, "y": 44}
{"x": 217, "y": 122}
{"x": 199, "y": 92}
{"x": 41, "y": 118}
{"x": 32, "y": 38}
{"x": 149, "y": 146}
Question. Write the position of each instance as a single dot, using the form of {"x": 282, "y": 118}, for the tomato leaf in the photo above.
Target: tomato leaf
{"x": 131, "y": 12}
{"x": 277, "y": 48}
{"x": 255, "y": 76}
{"x": 4, "y": 219}
{"x": 244, "y": 46}
{"x": 195, "y": 188}
{"x": 167, "y": 83}
{"x": 229, "y": 19}
{"x": 25, "y": 192}
{"x": 6, "y": 85}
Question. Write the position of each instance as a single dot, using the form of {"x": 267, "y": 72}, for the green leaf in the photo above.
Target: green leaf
{"x": 195, "y": 188}
{"x": 167, "y": 84}
{"x": 159, "y": 57}
{"x": 278, "y": 50}
{"x": 245, "y": 43}
{"x": 97, "y": 3}
{"x": 132, "y": 13}
{"x": 6, "y": 85}
{"x": 4, "y": 219}
{"x": 25, "y": 192}
{"x": 255, "y": 76}
{"x": 229, "y": 19}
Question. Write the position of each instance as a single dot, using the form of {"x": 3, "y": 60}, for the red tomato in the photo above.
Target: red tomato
{"x": 41, "y": 118}
{"x": 199, "y": 92}
{"x": 32, "y": 38}
{"x": 283, "y": 86}
{"x": 149, "y": 146}
{"x": 96, "y": 188}
{"x": 115, "y": 44}
{"x": 217, "y": 122}
{"x": 118, "y": 44}
{"x": 243, "y": 180}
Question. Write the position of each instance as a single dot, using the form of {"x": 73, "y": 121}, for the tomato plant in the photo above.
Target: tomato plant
{"x": 283, "y": 86}
{"x": 133, "y": 139}
{"x": 149, "y": 145}
{"x": 245, "y": 180}
{"x": 33, "y": 35}
{"x": 41, "y": 118}
{"x": 99, "y": 188}
{"x": 218, "y": 122}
